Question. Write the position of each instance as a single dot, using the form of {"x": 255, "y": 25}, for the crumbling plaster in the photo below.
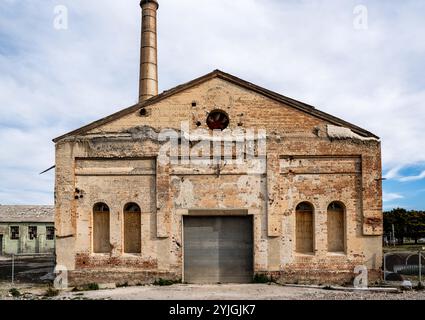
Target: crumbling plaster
{"x": 339, "y": 170}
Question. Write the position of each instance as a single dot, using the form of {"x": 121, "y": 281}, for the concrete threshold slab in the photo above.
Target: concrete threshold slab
{"x": 347, "y": 289}
{"x": 370, "y": 289}
{"x": 306, "y": 286}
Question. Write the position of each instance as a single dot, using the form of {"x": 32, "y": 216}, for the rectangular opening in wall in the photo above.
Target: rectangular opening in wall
{"x": 50, "y": 233}
{"x": 218, "y": 249}
{"x": 32, "y": 232}
{"x": 14, "y": 233}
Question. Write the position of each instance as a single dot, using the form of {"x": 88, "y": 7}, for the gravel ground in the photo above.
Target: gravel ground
{"x": 237, "y": 292}
{"x": 27, "y": 269}
{"x": 215, "y": 292}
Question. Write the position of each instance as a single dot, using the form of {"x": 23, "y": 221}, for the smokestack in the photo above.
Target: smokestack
{"x": 149, "y": 54}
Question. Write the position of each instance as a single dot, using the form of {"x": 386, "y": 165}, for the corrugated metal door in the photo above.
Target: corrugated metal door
{"x": 218, "y": 249}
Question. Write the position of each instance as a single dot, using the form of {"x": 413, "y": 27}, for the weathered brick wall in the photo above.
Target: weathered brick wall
{"x": 302, "y": 164}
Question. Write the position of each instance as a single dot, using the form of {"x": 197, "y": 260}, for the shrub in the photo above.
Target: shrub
{"x": 163, "y": 282}
{"x": 92, "y": 287}
{"x": 15, "y": 292}
{"x": 51, "y": 292}
{"x": 420, "y": 287}
{"x": 261, "y": 278}
{"x": 122, "y": 285}
{"x": 86, "y": 287}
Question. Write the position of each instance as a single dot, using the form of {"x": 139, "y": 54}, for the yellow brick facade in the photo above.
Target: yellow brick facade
{"x": 115, "y": 161}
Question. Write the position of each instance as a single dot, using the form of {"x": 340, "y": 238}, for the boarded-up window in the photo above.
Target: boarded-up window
{"x": 336, "y": 227}
{"x": 304, "y": 228}
{"x": 132, "y": 228}
{"x": 101, "y": 243}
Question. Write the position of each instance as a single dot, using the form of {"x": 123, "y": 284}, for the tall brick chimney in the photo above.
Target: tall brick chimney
{"x": 149, "y": 54}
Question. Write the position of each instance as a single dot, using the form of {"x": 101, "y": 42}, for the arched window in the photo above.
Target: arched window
{"x": 101, "y": 226}
{"x": 336, "y": 227}
{"x": 304, "y": 228}
{"x": 132, "y": 228}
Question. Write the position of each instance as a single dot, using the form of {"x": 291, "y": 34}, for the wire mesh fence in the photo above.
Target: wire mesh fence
{"x": 404, "y": 265}
{"x": 31, "y": 268}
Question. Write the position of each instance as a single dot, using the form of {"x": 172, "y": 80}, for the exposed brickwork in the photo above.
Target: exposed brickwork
{"x": 121, "y": 277}
{"x": 321, "y": 277}
{"x": 303, "y": 164}
{"x": 91, "y": 262}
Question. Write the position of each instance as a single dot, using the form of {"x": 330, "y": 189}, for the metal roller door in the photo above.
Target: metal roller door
{"x": 218, "y": 249}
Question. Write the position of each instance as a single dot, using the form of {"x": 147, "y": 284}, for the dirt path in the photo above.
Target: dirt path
{"x": 207, "y": 292}
{"x": 26, "y": 269}
{"x": 235, "y": 292}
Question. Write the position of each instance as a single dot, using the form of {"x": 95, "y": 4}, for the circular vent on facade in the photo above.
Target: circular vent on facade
{"x": 218, "y": 120}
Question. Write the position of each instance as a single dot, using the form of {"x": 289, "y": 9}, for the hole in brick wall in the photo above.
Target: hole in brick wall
{"x": 198, "y": 123}
{"x": 336, "y": 206}
{"x": 143, "y": 112}
{"x": 194, "y": 104}
{"x": 218, "y": 120}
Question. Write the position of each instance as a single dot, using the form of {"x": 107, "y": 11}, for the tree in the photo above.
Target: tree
{"x": 398, "y": 218}
{"x": 407, "y": 224}
{"x": 416, "y": 225}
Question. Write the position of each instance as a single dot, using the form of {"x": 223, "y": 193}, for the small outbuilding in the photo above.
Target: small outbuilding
{"x": 26, "y": 230}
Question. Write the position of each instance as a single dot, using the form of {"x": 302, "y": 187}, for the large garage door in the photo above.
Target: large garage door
{"x": 218, "y": 249}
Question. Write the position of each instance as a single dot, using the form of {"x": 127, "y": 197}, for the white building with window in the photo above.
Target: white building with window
{"x": 26, "y": 230}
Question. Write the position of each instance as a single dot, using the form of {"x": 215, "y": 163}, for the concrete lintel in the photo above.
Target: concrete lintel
{"x": 217, "y": 212}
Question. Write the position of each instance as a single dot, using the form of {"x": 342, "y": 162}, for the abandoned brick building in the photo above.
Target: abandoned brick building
{"x": 215, "y": 181}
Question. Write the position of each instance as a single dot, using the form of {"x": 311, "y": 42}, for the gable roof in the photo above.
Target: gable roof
{"x": 27, "y": 214}
{"x": 232, "y": 79}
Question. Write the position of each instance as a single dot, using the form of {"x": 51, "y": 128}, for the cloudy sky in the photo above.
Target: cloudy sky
{"x": 322, "y": 52}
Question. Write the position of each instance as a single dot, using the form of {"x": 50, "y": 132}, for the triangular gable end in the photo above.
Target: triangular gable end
{"x": 232, "y": 79}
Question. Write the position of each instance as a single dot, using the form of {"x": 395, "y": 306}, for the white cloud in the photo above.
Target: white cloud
{"x": 388, "y": 197}
{"x": 413, "y": 178}
{"x": 53, "y": 81}
{"x": 393, "y": 173}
